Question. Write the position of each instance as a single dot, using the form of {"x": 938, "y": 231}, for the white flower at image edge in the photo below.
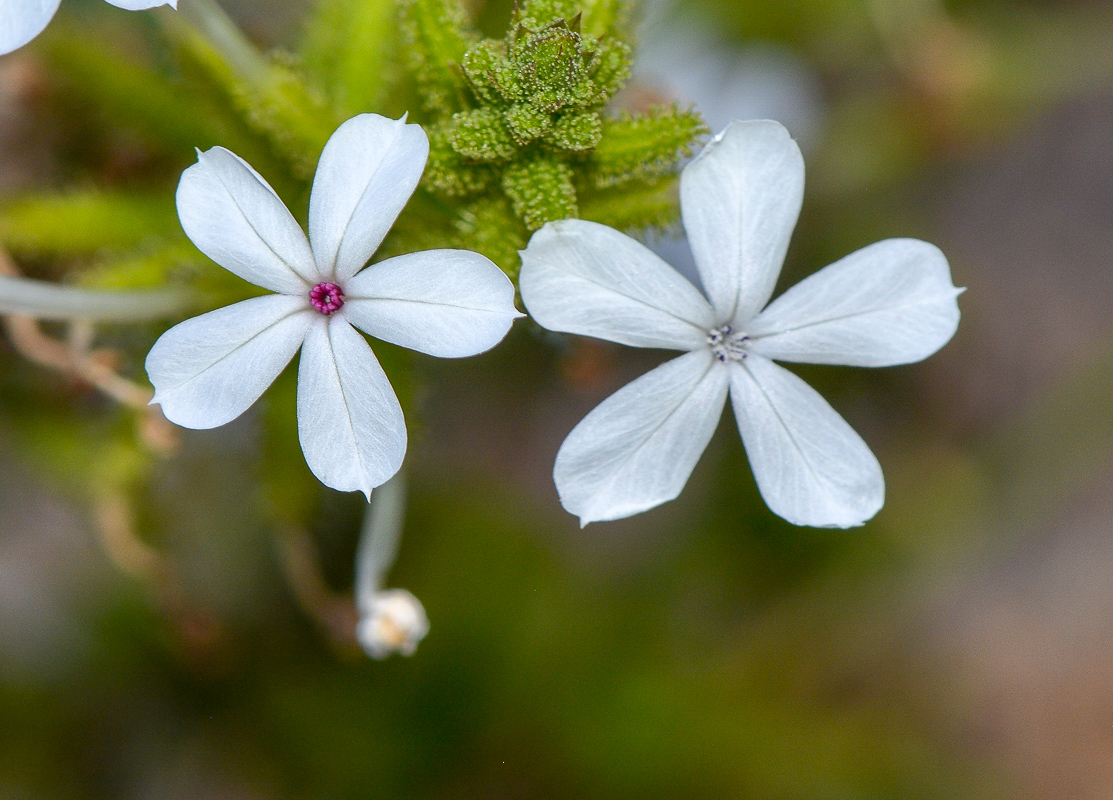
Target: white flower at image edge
{"x": 449, "y": 303}
{"x": 890, "y": 303}
{"x": 23, "y": 20}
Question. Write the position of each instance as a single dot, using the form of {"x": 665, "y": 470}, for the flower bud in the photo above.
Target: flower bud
{"x": 395, "y": 624}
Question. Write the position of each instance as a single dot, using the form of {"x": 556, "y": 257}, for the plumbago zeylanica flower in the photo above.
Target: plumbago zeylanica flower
{"x": 889, "y": 303}
{"x": 23, "y": 20}
{"x": 449, "y": 303}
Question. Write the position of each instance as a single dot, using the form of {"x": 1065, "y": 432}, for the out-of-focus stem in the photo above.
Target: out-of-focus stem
{"x": 116, "y": 534}
{"x": 209, "y": 20}
{"x": 75, "y": 356}
{"x": 41, "y": 300}
{"x": 333, "y": 613}
{"x": 937, "y": 54}
{"x": 44, "y": 300}
{"x": 378, "y": 542}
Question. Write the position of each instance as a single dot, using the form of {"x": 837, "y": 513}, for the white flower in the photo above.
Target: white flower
{"x": 390, "y": 620}
{"x": 23, "y": 20}
{"x": 449, "y": 303}
{"x": 889, "y": 303}
{"x": 394, "y": 621}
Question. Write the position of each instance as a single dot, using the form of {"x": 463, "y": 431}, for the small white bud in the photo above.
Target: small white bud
{"x": 396, "y": 622}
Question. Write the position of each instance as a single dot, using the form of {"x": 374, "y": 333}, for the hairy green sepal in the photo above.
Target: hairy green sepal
{"x": 520, "y": 132}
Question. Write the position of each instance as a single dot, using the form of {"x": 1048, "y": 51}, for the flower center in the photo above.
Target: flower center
{"x": 726, "y": 344}
{"x": 326, "y": 298}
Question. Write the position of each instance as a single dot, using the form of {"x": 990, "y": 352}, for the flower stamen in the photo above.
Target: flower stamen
{"x": 726, "y": 344}
{"x": 326, "y": 298}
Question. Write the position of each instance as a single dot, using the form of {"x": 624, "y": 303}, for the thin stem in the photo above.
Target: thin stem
{"x": 76, "y": 357}
{"x": 116, "y": 533}
{"x": 378, "y": 544}
{"x": 43, "y": 300}
{"x": 332, "y": 612}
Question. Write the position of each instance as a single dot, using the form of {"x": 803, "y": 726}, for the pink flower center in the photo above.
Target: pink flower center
{"x": 326, "y": 298}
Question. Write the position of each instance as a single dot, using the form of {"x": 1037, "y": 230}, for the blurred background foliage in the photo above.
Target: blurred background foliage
{"x": 175, "y": 618}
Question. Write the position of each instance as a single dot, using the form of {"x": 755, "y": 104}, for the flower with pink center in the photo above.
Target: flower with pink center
{"x": 23, "y": 20}
{"x": 449, "y": 303}
{"x": 326, "y": 298}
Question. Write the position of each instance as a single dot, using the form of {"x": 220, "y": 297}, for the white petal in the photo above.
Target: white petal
{"x": 810, "y": 465}
{"x": 236, "y": 219}
{"x": 447, "y": 303}
{"x": 23, "y": 20}
{"x": 638, "y": 447}
{"x": 583, "y": 277}
{"x": 367, "y": 172}
{"x": 740, "y": 199}
{"x": 210, "y": 369}
{"x": 139, "y": 5}
{"x": 351, "y": 427}
{"x": 890, "y": 303}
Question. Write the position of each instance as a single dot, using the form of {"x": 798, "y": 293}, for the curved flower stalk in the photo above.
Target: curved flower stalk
{"x": 889, "y": 303}
{"x": 49, "y": 301}
{"x": 390, "y": 620}
{"x": 23, "y": 20}
{"x": 449, "y": 303}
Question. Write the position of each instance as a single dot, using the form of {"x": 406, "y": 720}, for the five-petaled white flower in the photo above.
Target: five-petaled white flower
{"x": 449, "y": 303}
{"x": 890, "y": 303}
{"x": 23, "y": 20}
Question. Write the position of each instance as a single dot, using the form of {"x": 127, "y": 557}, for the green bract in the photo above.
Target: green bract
{"x": 518, "y": 126}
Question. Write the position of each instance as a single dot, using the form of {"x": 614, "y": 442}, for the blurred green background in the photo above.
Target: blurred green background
{"x": 958, "y": 646}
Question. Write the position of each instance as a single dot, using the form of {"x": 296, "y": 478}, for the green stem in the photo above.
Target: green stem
{"x": 208, "y": 20}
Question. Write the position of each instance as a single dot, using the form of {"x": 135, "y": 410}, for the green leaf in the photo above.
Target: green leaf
{"x": 144, "y": 268}
{"x": 83, "y": 222}
{"x": 446, "y": 171}
{"x": 633, "y": 207}
{"x": 645, "y": 146}
{"x": 576, "y": 131}
{"x": 527, "y": 122}
{"x": 540, "y": 190}
{"x": 536, "y": 14}
{"x": 610, "y": 69}
{"x": 489, "y": 226}
{"x": 347, "y": 47}
{"x": 437, "y": 37}
{"x": 603, "y": 16}
{"x": 296, "y": 120}
{"x": 482, "y": 135}
{"x": 132, "y": 96}
{"x": 552, "y": 67}
{"x": 483, "y": 65}
{"x": 278, "y": 104}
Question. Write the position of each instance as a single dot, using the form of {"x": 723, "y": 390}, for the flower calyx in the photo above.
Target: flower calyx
{"x": 523, "y": 138}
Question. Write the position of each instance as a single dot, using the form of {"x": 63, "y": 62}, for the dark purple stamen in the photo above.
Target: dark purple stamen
{"x": 326, "y": 298}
